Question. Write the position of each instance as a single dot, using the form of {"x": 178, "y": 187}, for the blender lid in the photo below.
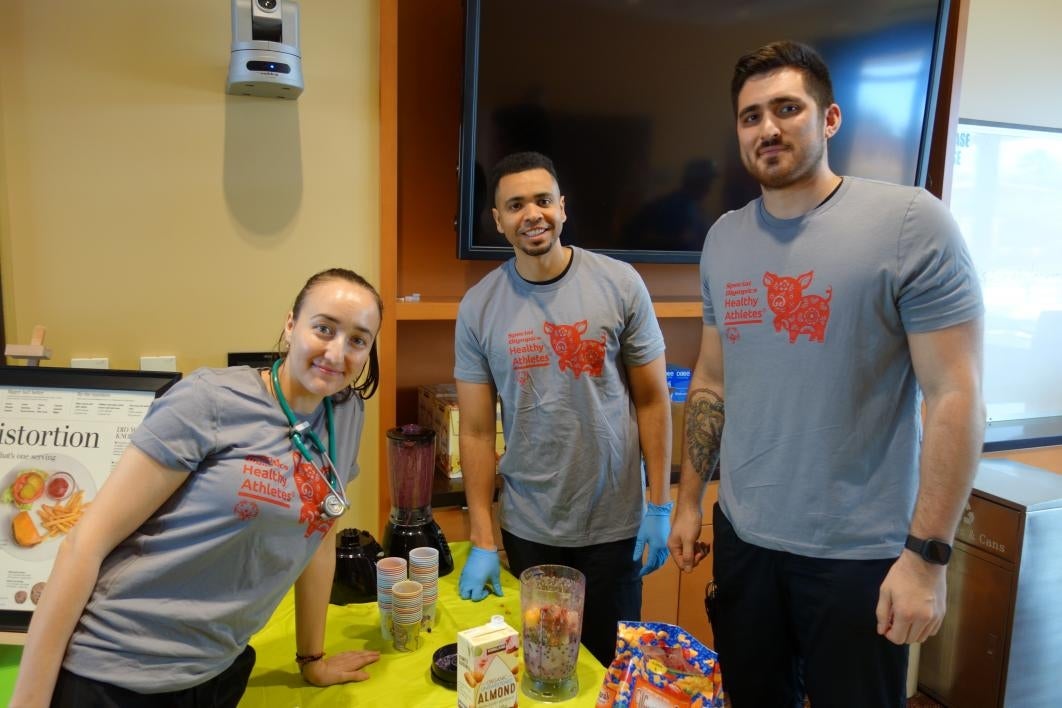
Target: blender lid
{"x": 411, "y": 432}
{"x": 360, "y": 541}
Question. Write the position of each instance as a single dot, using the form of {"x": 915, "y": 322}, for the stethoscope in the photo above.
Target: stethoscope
{"x": 336, "y": 502}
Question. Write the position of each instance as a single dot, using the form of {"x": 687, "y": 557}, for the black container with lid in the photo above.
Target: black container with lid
{"x": 444, "y": 666}
{"x": 355, "y": 576}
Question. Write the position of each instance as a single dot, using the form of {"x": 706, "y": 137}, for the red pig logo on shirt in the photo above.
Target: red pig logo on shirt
{"x": 793, "y": 310}
{"x": 312, "y": 489}
{"x": 573, "y": 351}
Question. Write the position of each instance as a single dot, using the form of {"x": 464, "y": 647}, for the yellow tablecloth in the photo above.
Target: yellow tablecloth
{"x": 399, "y": 680}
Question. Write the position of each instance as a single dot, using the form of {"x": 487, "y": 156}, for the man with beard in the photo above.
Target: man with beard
{"x": 828, "y": 302}
{"x": 569, "y": 341}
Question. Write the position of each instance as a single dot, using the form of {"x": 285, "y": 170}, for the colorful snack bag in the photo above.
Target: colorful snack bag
{"x": 660, "y": 664}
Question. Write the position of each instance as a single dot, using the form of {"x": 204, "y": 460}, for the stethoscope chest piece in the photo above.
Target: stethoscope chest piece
{"x": 332, "y": 507}
{"x": 335, "y": 503}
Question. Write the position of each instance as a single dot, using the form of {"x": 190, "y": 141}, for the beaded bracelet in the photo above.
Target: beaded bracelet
{"x": 303, "y": 660}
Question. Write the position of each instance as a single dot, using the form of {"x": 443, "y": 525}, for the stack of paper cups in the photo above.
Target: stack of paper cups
{"x": 424, "y": 568}
{"x": 406, "y": 614}
{"x": 389, "y": 571}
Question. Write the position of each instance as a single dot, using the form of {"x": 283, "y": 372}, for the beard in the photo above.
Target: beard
{"x": 773, "y": 175}
{"x": 539, "y": 249}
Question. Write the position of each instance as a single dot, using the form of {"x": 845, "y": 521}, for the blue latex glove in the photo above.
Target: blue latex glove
{"x": 481, "y": 568}
{"x": 655, "y": 528}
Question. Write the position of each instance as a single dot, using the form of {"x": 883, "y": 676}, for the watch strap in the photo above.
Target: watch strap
{"x": 931, "y": 550}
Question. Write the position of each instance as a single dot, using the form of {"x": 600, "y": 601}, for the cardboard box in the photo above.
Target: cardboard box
{"x": 678, "y": 427}
{"x": 437, "y": 409}
{"x": 488, "y": 665}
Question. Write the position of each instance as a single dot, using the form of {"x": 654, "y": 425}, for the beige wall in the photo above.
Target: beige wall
{"x": 144, "y": 211}
{"x": 1010, "y": 72}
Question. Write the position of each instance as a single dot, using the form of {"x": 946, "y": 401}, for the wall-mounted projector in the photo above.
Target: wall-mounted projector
{"x": 265, "y": 57}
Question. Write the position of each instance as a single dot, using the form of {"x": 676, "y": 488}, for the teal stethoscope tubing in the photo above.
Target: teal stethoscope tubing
{"x": 297, "y": 429}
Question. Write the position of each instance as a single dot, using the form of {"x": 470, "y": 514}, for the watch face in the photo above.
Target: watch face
{"x": 936, "y": 552}
{"x": 931, "y": 550}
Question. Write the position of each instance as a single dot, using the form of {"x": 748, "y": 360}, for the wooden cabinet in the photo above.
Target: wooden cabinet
{"x": 453, "y": 520}
{"x": 660, "y": 590}
{"x": 660, "y": 594}
{"x": 691, "y": 614}
{"x": 669, "y": 595}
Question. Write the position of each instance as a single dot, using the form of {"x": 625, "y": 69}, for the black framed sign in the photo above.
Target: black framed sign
{"x": 61, "y": 432}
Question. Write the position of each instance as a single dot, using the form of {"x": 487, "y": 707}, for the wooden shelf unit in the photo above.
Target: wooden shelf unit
{"x": 446, "y": 309}
{"x": 669, "y": 595}
{"x": 421, "y": 54}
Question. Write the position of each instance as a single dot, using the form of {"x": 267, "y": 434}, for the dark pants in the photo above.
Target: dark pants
{"x": 613, "y": 588}
{"x": 786, "y": 624}
{"x": 222, "y": 691}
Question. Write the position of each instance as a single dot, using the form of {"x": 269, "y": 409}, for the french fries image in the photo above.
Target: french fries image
{"x": 60, "y": 518}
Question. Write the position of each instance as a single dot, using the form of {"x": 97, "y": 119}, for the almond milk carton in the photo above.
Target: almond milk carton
{"x": 487, "y": 665}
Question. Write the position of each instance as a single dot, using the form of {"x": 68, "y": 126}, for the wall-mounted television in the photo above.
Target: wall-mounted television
{"x": 631, "y": 100}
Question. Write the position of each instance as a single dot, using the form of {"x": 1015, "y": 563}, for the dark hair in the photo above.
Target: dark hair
{"x": 785, "y": 55}
{"x": 369, "y": 384}
{"x": 518, "y": 162}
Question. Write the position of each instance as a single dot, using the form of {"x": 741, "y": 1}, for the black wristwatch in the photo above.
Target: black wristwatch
{"x": 932, "y": 550}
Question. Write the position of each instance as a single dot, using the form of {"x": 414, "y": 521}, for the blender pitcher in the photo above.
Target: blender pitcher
{"x": 551, "y": 602}
{"x": 411, "y": 466}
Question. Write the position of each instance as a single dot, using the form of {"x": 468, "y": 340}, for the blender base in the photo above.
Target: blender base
{"x": 399, "y": 540}
{"x": 549, "y": 691}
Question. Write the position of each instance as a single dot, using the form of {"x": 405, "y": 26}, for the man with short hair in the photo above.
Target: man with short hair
{"x": 828, "y": 302}
{"x": 568, "y": 340}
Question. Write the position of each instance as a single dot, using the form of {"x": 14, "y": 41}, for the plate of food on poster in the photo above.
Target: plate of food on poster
{"x": 40, "y": 502}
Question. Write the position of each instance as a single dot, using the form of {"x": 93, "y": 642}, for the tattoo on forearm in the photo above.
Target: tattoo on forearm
{"x": 704, "y": 430}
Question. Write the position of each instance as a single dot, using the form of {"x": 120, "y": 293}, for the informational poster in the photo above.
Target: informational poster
{"x": 57, "y": 447}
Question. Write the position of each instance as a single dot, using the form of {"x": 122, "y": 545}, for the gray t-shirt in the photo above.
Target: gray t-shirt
{"x": 820, "y": 445}
{"x": 557, "y": 354}
{"x": 178, "y": 600}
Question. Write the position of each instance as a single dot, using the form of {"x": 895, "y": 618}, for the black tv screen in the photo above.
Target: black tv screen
{"x": 631, "y": 100}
